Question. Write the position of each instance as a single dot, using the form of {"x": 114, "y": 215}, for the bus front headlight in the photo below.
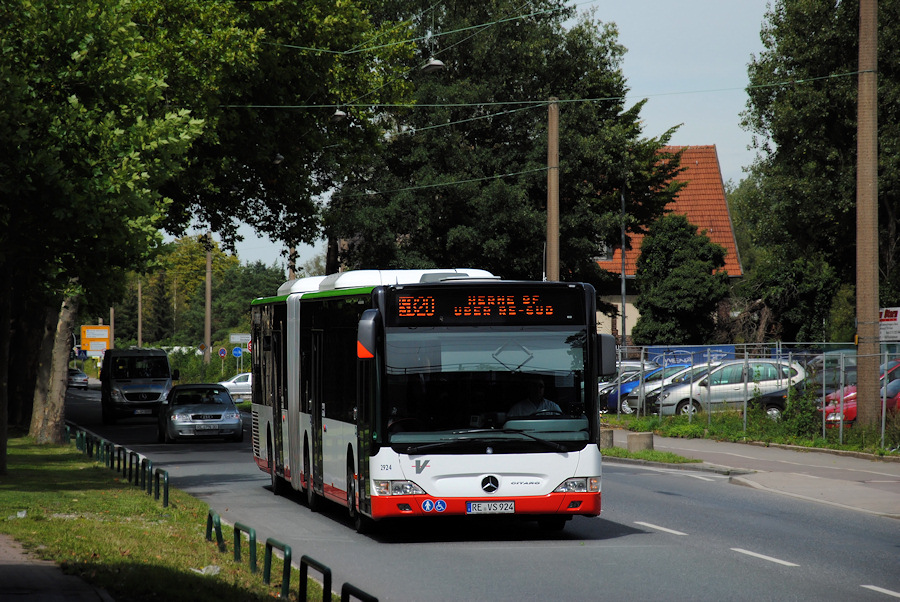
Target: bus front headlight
{"x": 397, "y": 488}
{"x": 579, "y": 485}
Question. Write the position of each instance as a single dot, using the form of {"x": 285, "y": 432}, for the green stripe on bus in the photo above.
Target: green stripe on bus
{"x": 341, "y": 292}
{"x": 267, "y": 300}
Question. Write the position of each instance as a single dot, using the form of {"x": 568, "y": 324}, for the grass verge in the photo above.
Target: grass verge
{"x": 649, "y": 455}
{"x": 67, "y": 508}
{"x": 800, "y": 427}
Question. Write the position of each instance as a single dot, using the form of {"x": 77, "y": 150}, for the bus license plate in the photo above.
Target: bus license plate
{"x": 491, "y": 507}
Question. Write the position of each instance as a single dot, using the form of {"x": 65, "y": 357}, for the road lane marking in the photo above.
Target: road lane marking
{"x": 881, "y": 590}
{"x": 764, "y": 557}
{"x": 658, "y": 528}
{"x": 696, "y": 476}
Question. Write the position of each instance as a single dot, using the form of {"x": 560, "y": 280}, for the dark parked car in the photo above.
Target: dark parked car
{"x": 776, "y": 402}
{"x": 199, "y": 411}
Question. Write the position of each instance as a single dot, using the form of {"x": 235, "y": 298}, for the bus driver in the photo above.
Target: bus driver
{"x": 535, "y": 403}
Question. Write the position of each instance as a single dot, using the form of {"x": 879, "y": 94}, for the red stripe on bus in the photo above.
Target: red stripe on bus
{"x": 581, "y": 504}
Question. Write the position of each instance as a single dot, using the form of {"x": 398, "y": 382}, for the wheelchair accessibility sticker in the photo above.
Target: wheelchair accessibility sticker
{"x": 436, "y": 505}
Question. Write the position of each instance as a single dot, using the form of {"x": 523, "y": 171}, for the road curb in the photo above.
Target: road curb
{"x": 825, "y": 450}
{"x": 698, "y": 466}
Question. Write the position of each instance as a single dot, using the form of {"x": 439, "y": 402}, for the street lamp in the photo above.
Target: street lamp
{"x": 432, "y": 65}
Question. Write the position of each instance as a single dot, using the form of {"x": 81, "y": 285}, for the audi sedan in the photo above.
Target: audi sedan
{"x": 76, "y": 379}
{"x": 199, "y": 411}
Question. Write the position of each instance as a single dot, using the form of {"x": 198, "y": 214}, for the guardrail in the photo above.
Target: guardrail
{"x": 138, "y": 470}
{"x": 271, "y": 544}
{"x": 214, "y": 526}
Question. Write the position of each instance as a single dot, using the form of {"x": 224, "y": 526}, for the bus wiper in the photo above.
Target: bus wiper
{"x": 551, "y": 444}
{"x": 415, "y": 449}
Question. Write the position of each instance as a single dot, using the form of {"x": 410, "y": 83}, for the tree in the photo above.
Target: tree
{"x": 94, "y": 114}
{"x": 681, "y": 282}
{"x": 798, "y": 291}
{"x": 802, "y": 110}
{"x": 462, "y": 180}
{"x": 270, "y": 148}
{"x": 231, "y": 297}
{"x": 90, "y": 142}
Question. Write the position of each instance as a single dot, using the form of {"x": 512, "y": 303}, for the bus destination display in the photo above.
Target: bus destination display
{"x": 479, "y": 306}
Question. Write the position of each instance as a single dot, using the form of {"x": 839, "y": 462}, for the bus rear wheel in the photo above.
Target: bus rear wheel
{"x": 351, "y": 492}
{"x": 312, "y": 500}
{"x": 277, "y": 483}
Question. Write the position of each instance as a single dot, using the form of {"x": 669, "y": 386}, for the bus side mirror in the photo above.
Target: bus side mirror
{"x": 606, "y": 354}
{"x": 367, "y": 334}
{"x": 176, "y": 374}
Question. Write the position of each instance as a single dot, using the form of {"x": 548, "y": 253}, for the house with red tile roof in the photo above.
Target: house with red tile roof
{"x": 702, "y": 200}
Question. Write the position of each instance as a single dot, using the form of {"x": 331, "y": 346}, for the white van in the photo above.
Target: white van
{"x": 133, "y": 382}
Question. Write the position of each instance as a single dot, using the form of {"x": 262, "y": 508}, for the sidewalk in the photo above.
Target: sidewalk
{"x": 849, "y": 480}
{"x": 840, "y": 479}
{"x": 24, "y": 577}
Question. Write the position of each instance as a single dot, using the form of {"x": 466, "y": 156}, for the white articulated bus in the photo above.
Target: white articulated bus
{"x": 392, "y": 392}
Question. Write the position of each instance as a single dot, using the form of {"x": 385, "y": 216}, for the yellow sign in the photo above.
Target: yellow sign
{"x": 95, "y": 340}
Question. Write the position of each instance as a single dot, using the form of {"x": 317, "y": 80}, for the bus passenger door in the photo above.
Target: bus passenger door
{"x": 316, "y": 409}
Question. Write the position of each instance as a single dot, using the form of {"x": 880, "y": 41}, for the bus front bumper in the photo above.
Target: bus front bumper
{"x": 564, "y": 504}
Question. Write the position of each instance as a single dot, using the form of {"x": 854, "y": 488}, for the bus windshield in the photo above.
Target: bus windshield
{"x": 451, "y": 379}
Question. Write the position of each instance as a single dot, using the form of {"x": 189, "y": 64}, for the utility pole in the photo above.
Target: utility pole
{"x": 552, "y": 267}
{"x": 207, "y": 326}
{"x": 624, "y": 341}
{"x": 140, "y": 316}
{"x": 867, "y": 323}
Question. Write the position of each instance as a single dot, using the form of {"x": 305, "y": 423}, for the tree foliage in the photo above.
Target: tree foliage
{"x": 89, "y": 142}
{"x": 800, "y": 201}
{"x": 462, "y": 177}
{"x": 278, "y": 71}
{"x": 681, "y": 282}
{"x": 106, "y": 101}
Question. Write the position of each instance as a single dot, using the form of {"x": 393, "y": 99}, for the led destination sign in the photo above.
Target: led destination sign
{"x": 475, "y": 305}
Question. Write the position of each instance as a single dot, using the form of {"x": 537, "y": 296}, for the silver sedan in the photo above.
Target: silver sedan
{"x": 199, "y": 412}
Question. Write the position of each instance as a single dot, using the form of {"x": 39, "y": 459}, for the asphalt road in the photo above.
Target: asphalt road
{"x": 663, "y": 535}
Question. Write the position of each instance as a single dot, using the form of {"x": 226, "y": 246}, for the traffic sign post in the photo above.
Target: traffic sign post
{"x": 237, "y": 352}
{"x": 95, "y": 339}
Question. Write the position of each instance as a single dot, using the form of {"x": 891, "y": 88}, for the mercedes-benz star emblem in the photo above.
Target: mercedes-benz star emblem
{"x": 490, "y": 484}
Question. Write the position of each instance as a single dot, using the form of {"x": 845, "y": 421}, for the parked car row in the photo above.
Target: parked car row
{"x": 766, "y": 383}
{"x": 650, "y": 378}
{"x": 682, "y": 389}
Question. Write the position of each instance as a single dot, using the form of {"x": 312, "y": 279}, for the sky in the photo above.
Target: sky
{"x": 688, "y": 58}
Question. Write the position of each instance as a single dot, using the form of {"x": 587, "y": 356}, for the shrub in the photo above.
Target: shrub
{"x": 802, "y": 417}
